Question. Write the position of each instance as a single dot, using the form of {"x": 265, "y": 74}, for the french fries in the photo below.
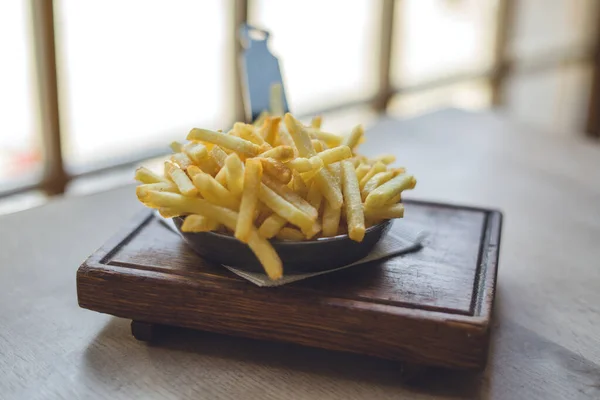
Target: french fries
{"x": 354, "y": 208}
{"x": 275, "y": 179}
{"x": 252, "y": 178}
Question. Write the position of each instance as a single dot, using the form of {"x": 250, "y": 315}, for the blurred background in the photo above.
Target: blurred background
{"x": 91, "y": 89}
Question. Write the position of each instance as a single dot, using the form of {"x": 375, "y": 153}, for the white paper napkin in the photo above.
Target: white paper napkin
{"x": 402, "y": 238}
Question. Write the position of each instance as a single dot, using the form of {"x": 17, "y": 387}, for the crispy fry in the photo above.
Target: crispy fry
{"x": 252, "y": 178}
{"x": 198, "y": 223}
{"x": 354, "y": 210}
{"x": 353, "y": 139}
{"x": 176, "y": 147}
{"x": 314, "y": 196}
{"x": 221, "y": 177}
{"x": 281, "y": 153}
{"x": 317, "y": 145}
{"x": 328, "y": 188}
{"x": 193, "y": 170}
{"x": 306, "y": 165}
{"x": 182, "y": 160}
{"x": 235, "y": 174}
{"x": 214, "y": 192}
{"x": 380, "y": 196}
{"x": 335, "y": 154}
{"x": 288, "y": 211}
{"x": 180, "y": 178}
{"x": 142, "y": 190}
{"x": 167, "y": 212}
{"x": 377, "y": 180}
{"x": 196, "y": 151}
{"x": 290, "y": 234}
{"x": 394, "y": 200}
{"x": 247, "y": 131}
{"x": 300, "y": 136}
{"x": 231, "y": 142}
{"x": 291, "y": 196}
{"x": 217, "y": 154}
{"x": 270, "y": 129}
{"x": 385, "y": 158}
{"x": 376, "y": 168}
{"x": 331, "y": 216}
{"x": 260, "y": 246}
{"x": 276, "y": 169}
{"x": 271, "y": 226}
{"x": 330, "y": 139}
{"x": 362, "y": 170}
{"x": 388, "y": 212}
{"x": 298, "y": 184}
{"x": 144, "y": 175}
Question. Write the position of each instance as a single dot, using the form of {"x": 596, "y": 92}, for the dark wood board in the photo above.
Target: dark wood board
{"x": 429, "y": 307}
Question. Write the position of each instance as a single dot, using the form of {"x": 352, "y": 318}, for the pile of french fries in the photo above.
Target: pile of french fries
{"x": 275, "y": 178}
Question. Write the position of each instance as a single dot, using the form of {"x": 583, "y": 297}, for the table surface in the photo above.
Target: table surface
{"x": 546, "y": 331}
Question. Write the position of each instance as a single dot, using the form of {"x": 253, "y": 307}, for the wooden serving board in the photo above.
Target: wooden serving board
{"x": 429, "y": 307}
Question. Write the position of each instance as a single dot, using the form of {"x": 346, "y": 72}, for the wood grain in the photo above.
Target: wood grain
{"x": 545, "y": 341}
{"x": 427, "y": 307}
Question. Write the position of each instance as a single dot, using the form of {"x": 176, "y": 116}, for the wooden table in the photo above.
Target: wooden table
{"x": 546, "y": 335}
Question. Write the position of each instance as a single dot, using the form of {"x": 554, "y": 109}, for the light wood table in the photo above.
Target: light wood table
{"x": 546, "y": 334}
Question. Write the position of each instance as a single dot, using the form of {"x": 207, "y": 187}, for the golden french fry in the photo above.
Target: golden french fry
{"x": 193, "y": 170}
{"x": 180, "y": 178}
{"x": 221, "y": 177}
{"x": 176, "y": 147}
{"x": 354, "y": 209}
{"x": 375, "y": 169}
{"x": 355, "y": 161}
{"x": 269, "y": 130}
{"x": 182, "y": 160}
{"x": 248, "y": 132}
{"x": 276, "y": 169}
{"x": 209, "y": 165}
{"x": 214, "y": 192}
{"x": 329, "y": 189}
{"x": 316, "y": 122}
{"x": 142, "y": 190}
{"x": 198, "y": 223}
{"x": 281, "y": 153}
{"x": 290, "y": 234}
{"x": 271, "y": 226}
{"x": 385, "y": 158}
{"x": 167, "y": 212}
{"x": 377, "y": 180}
{"x": 196, "y": 151}
{"x": 335, "y": 154}
{"x": 300, "y": 136}
{"x": 260, "y": 246}
{"x": 306, "y": 165}
{"x": 332, "y": 216}
{"x": 353, "y": 139}
{"x": 288, "y": 211}
{"x": 298, "y": 184}
{"x": 317, "y": 145}
{"x": 144, "y": 175}
{"x": 285, "y": 138}
{"x": 248, "y": 205}
{"x": 229, "y": 141}
{"x": 362, "y": 170}
{"x": 235, "y": 174}
{"x": 314, "y": 196}
{"x": 394, "y": 200}
{"x": 330, "y": 139}
{"x": 291, "y": 196}
{"x": 217, "y": 154}
{"x": 384, "y": 193}
{"x": 388, "y": 212}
